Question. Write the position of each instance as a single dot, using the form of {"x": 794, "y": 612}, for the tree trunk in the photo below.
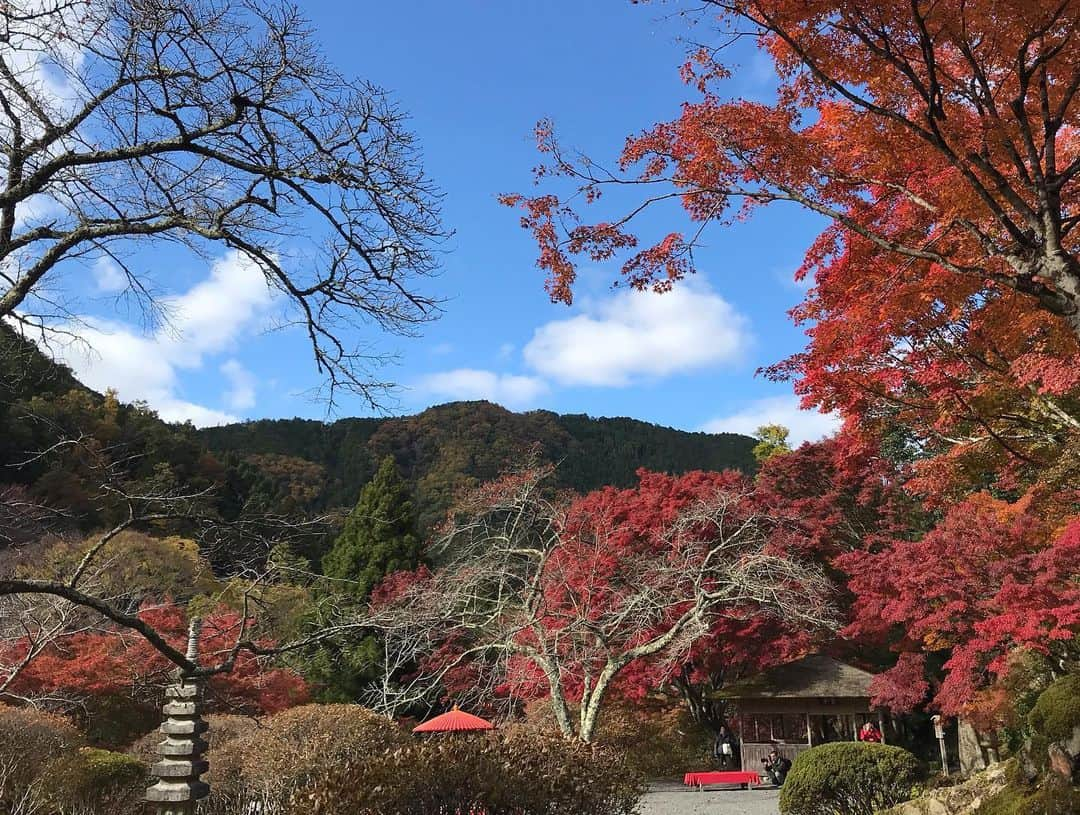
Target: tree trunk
{"x": 1068, "y": 283}
{"x": 705, "y": 711}
{"x": 558, "y": 699}
{"x": 591, "y": 701}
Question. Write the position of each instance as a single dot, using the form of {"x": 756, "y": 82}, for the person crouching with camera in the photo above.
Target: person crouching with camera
{"x": 776, "y": 767}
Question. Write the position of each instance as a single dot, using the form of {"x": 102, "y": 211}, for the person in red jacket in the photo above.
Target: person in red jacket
{"x": 870, "y": 732}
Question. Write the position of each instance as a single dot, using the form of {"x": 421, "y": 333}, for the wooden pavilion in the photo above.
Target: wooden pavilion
{"x": 795, "y": 706}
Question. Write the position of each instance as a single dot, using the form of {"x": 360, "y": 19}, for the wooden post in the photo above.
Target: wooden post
{"x": 742, "y": 756}
{"x": 939, "y": 731}
{"x": 179, "y": 786}
{"x": 809, "y": 732}
{"x": 881, "y": 725}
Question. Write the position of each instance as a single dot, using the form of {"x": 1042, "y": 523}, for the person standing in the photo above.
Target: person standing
{"x": 724, "y": 748}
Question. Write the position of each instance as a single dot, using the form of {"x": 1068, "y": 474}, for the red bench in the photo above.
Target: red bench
{"x": 744, "y": 779}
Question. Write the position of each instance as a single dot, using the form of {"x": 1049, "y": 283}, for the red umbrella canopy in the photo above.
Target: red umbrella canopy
{"x": 455, "y": 721}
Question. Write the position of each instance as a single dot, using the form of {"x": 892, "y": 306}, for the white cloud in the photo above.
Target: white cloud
{"x": 506, "y": 350}
{"x": 442, "y": 349}
{"x": 640, "y": 335}
{"x": 37, "y": 210}
{"x": 206, "y": 320}
{"x": 241, "y": 393}
{"x": 177, "y": 410}
{"x": 108, "y": 275}
{"x": 805, "y": 425}
{"x": 471, "y": 383}
{"x": 211, "y": 315}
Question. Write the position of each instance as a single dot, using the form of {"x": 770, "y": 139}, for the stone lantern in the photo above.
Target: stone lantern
{"x": 178, "y": 786}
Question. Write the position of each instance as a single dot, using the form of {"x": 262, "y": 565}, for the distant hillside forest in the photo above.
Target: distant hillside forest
{"x": 451, "y": 446}
{"x": 305, "y": 467}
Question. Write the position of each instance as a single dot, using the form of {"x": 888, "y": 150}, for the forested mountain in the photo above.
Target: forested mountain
{"x": 451, "y": 446}
{"x": 303, "y": 467}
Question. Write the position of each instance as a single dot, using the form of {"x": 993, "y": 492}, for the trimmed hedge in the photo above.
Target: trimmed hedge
{"x": 262, "y": 766}
{"x": 491, "y": 774}
{"x": 44, "y": 769}
{"x": 346, "y": 760}
{"x": 658, "y": 741}
{"x": 222, "y": 728}
{"x": 849, "y": 778}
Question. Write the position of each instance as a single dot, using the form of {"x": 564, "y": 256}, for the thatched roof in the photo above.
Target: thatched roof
{"x": 813, "y": 677}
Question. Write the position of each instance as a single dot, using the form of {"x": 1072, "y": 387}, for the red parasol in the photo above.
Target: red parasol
{"x": 455, "y": 721}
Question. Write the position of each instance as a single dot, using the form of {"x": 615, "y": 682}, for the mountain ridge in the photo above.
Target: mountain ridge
{"x": 306, "y": 466}
{"x": 451, "y": 446}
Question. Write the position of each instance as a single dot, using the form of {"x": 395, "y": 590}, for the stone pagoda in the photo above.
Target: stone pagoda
{"x": 178, "y": 786}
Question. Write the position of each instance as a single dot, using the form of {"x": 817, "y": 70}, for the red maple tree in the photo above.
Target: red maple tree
{"x": 109, "y": 662}
{"x": 941, "y": 141}
{"x": 992, "y": 577}
{"x": 610, "y": 593}
{"x": 940, "y": 138}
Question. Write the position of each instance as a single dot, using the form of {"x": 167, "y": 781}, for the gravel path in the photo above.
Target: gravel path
{"x": 675, "y": 799}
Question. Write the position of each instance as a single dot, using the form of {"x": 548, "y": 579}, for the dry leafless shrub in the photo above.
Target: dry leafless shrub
{"x": 264, "y": 764}
{"x": 29, "y": 740}
{"x": 511, "y": 773}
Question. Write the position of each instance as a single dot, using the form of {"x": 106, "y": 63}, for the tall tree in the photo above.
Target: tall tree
{"x": 217, "y": 126}
{"x": 940, "y": 139}
{"x": 379, "y": 537}
{"x": 568, "y": 599}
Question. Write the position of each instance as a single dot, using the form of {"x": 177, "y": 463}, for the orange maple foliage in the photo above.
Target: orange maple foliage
{"x": 942, "y": 135}
{"x": 105, "y": 662}
{"x": 941, "y": 140}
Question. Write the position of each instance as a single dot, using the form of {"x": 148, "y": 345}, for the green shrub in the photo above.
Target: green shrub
{"x": 97, "y": 781}
{"x": 1057, "y": 710}
{"x": 849, "y": 778}
{"x": 29, "y": 741}
{"x": 513, "y": 773}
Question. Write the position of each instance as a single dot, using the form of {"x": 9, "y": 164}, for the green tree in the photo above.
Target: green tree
{"x": 772, "y": 441}
{"x": 380, "y": 535}
{"x": 379, "y": 538}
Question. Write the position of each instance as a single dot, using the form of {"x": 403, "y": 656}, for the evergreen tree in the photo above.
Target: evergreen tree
{"x": 379, "y": 537}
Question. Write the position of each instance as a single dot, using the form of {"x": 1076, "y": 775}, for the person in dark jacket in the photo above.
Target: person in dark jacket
{"x": 724, "y": 748}
{"x": 776, "y": 767}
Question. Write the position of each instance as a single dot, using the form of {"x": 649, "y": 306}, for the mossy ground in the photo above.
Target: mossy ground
{"x": 1057, "y": 711}
{"x": 1053, "y": 797}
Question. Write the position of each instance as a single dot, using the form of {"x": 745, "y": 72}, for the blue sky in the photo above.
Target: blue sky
{"x": 475, "y": 77}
